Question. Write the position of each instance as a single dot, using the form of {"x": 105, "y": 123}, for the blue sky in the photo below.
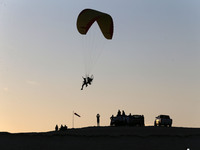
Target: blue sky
{"x": 150, "y": 67}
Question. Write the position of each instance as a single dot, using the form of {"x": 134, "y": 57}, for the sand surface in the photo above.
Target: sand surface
{"x": 105, "y": 138}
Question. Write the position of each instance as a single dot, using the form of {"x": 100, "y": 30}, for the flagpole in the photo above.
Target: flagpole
{"x": 73, "y": 120}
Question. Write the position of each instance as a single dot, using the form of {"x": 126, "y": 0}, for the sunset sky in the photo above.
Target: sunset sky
{"x": 150, "y": 67}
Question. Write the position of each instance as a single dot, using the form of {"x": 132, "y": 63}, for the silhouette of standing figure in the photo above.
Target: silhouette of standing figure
{"x": 56, "y": 128}
{"x": 98, "y": 119}
{"x": 119, "y": 113}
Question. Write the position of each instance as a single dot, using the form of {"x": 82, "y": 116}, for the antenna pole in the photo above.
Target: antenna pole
{"x": 73, "y": 120}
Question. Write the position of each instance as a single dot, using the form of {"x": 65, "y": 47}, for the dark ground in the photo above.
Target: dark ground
{"x": 105, "y": 138}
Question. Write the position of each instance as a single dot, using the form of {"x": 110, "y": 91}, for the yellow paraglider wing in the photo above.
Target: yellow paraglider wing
{"x": 88, "y": 16}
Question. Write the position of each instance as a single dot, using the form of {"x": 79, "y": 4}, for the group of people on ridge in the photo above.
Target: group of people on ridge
{"x": 62, "y": 128}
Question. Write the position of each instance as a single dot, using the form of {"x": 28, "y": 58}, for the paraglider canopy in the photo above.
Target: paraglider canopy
{"x": 88, "y": 16}
{"x": 86, "y": 20}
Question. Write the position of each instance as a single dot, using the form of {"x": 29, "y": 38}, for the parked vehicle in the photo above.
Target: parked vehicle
{"x": 136, "y": 120}
{"x": 127, "y": 120}
{"x": 163, "y": 120}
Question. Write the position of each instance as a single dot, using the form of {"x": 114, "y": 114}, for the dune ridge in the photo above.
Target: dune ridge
{"x": 155, "y": 138}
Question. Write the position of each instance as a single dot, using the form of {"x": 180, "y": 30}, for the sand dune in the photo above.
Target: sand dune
{"x": 117, "y": 138}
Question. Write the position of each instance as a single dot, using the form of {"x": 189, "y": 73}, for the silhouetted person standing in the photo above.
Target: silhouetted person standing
{"x": 61, "y": 127}
{"x": 119, "y": 113}
{"x": 98, "y": 119}
{"x": 56, "y": 128}
{"x": 123, "y": 113}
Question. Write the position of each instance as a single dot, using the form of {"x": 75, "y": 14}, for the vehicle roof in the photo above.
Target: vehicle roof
{"x": 164, "y": 116}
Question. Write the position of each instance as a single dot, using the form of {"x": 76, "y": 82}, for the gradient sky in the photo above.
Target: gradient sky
{"x": 150, "y": 67}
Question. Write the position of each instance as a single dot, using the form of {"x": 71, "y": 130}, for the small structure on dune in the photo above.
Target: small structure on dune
{"x": 121, "y": 119}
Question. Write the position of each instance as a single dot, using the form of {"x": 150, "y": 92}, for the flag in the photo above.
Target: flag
{"x": 77, "y": 114}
